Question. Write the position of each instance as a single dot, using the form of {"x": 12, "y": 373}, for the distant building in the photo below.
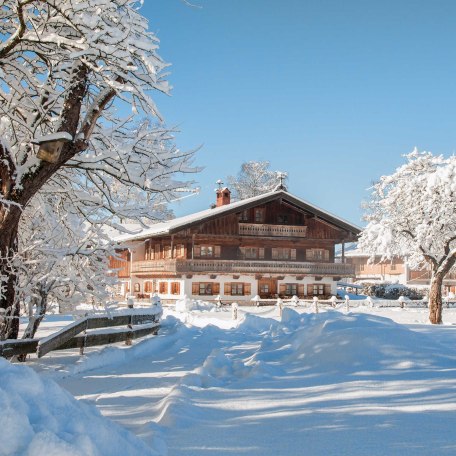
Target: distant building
{"x": 271, "y": 245}
{"x": 394, "y": 271}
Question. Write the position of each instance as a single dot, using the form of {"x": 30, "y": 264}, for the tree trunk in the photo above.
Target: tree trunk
{"x": 9, "y": 223}
{"x": 435, "y": 298}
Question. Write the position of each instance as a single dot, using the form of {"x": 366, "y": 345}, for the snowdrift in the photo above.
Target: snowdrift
{"x": 39, "y": 418}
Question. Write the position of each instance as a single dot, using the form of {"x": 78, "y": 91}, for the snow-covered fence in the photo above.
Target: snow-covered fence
{"x": 139, "y": 323}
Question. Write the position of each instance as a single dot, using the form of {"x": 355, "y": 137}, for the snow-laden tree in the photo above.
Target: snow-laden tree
{"x": 255, "y": 178}
{"x": 412, "y": 215}
{"x": 83, "y": 72}
{"x": 62, "y": 259}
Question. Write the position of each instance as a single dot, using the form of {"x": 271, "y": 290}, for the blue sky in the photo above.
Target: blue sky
{"x": 331, "y": 91}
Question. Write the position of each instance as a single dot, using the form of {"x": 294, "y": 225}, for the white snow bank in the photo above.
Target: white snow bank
{"x": 187, "y": 305}
{"x": 39, "y": 418}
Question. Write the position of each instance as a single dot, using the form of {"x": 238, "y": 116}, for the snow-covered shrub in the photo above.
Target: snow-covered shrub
{"x": 386, "y": 290}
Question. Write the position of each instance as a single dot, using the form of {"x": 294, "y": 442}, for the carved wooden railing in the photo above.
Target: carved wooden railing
{"x": 254, "y": 229}
{"x": 240, "y": 266}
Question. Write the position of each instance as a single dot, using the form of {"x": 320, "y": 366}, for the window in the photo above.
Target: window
{"x": 282, "y": 219}
{"x": 137, "y": 288}
{"x": 237, "y": 289}
{"x": 175, "y": 288}
{"x": 179, "y": 251}
{"x": 147, "y": 251}
{"x": 291, "y": 289}
{"x": 283, "y": 254}
{"x": 244, "y": 216}
{"x": 148, "y": 287}
{"x": 318, "y": 289}
{"x": 264, "y": 288}
{"x": 167, "y": 251}
{"x": 157, "y": 251}
{"x": 317, "y": 254}
{"x": 205, "y": 288}
{"x": 163, "y": 287}
{"x": 252, "y": 253}
{"x": 207, "y": 251}
{"x": 259, "y": 215}
{"x": 393, "y": 266}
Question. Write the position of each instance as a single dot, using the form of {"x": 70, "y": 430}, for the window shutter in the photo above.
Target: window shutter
{"x": 197, "y": 250}
{"x": 327, "y": 289}
{"x": 195, "y": 288}
{"x": 217, "y": 251}
{"x": 293, "y": 254}
{"x": 261, "y": 253}
{"x": 310, "y": 290}
{"x": 228, "y": 288}
{"x": 157, "y": 251}
{"x": 282, "y": 288}
{"x": 274, "y": 254}
{"x": 247, "y": 289}
{"x": 301, "y": 289}
{"x": 216, "y": 288}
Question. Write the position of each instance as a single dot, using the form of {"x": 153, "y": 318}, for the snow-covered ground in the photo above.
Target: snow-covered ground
{"x": 375, "y": 381}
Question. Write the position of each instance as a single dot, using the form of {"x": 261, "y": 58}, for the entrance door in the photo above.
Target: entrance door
{"x": 267, "y": 288}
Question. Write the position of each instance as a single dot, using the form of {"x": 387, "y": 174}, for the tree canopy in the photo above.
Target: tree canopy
{"x": 411, "y": 215}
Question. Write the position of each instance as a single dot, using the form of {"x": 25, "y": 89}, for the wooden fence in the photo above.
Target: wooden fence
{"x": 77, "y": 335}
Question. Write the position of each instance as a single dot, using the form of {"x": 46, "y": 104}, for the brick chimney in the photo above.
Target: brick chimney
{"x": 223, "y": 196}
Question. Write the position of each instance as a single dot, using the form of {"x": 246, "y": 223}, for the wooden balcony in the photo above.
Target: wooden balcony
{"x": 255, "y": 229}
{"x": 182, "y": 266}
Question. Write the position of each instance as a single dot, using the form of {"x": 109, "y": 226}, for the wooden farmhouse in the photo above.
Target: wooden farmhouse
{"x": 272, "y": 245}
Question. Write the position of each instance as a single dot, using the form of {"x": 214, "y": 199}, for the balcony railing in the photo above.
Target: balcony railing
{"x": 254, "y": 229}
{"x": 177, "y": 266}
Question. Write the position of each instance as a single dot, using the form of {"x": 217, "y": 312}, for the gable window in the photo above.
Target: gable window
{"x": 244, "y": 216}
{"x": 259, "y": 215}
{"x": 282, "y": 219}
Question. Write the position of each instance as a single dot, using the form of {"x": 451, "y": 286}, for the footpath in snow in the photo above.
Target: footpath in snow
{"x": 311, "y": 384}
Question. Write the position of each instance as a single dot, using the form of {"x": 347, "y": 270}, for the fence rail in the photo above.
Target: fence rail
{"x": 70, "y": 337}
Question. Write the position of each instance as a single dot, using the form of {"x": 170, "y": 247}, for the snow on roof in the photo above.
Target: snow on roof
{"x": 164, "y": 228}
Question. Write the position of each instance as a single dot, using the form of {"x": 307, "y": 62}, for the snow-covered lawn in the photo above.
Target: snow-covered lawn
{"x": 309, "y": 384}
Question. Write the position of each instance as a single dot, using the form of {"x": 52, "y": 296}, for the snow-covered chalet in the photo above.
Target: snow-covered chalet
{"x": 271, "y": 245}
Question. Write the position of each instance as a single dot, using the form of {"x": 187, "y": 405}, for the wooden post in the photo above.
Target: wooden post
{"x": 128, "y": 340}
{"x": 234, "y": 311}
{"x": 347, "y": 303}
{"x": 280, "y": 306}
{"x": 343, "y": 252}
{"x": 315, "y": 300}
{"x": 81, "y": 348}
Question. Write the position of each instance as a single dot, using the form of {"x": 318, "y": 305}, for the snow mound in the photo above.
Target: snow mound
{"x": 187, "y": 305}
{"x": 334, "y": 342}
{"x": 41, "y": 419}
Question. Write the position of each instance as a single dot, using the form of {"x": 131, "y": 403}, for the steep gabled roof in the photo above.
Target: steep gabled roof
{"x": 188, "y": 221}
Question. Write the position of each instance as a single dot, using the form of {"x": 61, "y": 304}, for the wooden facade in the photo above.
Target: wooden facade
{"x": 275, "y": 246}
